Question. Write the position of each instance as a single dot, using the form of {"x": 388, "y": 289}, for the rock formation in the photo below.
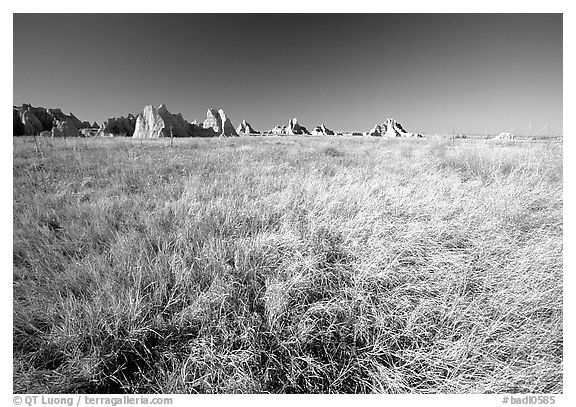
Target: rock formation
{"x": 30, "y": 120}
{"x": 229, "y": 129}
{"x": 149, "y": 124}
{"x": 155, "y": 123}
{"x": 32, "y": 125}
{"x": 57, "y": 114}
{"x": 375, "y": 132}
{"x": 390, "y": 128}
{"x": 66, "y": 128}
{"x": 17, "y": 122}
{"x": 295, "y": 129}
{"x": 220, "y": 123}
{"x": 213, "y": 121}
{"x": 322, "y": 131}
{"x": 43, "y": 115}
{"x": 246, "y": 129}
{"x": 175, "y": 124}
{"x": 198, "y": 131}
{"x": 278, "y": 130}
{"x": 77, "y": 122}
{"x": 117, "y": 126}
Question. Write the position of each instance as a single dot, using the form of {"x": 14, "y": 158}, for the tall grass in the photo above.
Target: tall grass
{"x": 287, "y": 265}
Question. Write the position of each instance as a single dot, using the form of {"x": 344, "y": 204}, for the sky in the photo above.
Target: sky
{"x": 434, "y": 73}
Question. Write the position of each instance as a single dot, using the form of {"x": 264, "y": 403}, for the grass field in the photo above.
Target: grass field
{"x": 269, "y": 264}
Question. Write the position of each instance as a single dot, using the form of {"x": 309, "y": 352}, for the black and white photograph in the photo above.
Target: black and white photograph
{"x": 286, "y": 203}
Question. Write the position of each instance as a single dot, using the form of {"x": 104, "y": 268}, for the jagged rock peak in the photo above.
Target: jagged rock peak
{"x": 30, "y": 120}
{"x": 217, "y": 120}
{"x": 296, "y": 129}
{"x": 390, "y": 128}
{"x": 322, "y": 130}
{"x": 246, "y": 129}
{"x": 155, "y": 123}
{"x": 118, "y": 126}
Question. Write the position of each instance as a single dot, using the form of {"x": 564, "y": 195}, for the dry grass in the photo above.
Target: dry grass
{"x": 287, "y": 265}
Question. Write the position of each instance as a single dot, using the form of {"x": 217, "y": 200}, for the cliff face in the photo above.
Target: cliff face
{"x": 149, "y": 124}
{"x": 29, "y": 120}
{"x": 118, "y": 126}
{"x": 220, "y": 123}
{"x": 156, "y": 123}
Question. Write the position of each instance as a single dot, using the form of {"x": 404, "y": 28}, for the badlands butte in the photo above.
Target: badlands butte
{"x": 159, "y": 122}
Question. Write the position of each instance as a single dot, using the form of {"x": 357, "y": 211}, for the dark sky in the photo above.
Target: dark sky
{"x": 432, "y": 72}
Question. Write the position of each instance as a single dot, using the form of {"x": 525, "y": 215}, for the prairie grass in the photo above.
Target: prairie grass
{"x": 287, "y": 265}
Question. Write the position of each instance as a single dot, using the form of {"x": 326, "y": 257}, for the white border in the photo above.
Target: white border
{"x": 300, "y": 6}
